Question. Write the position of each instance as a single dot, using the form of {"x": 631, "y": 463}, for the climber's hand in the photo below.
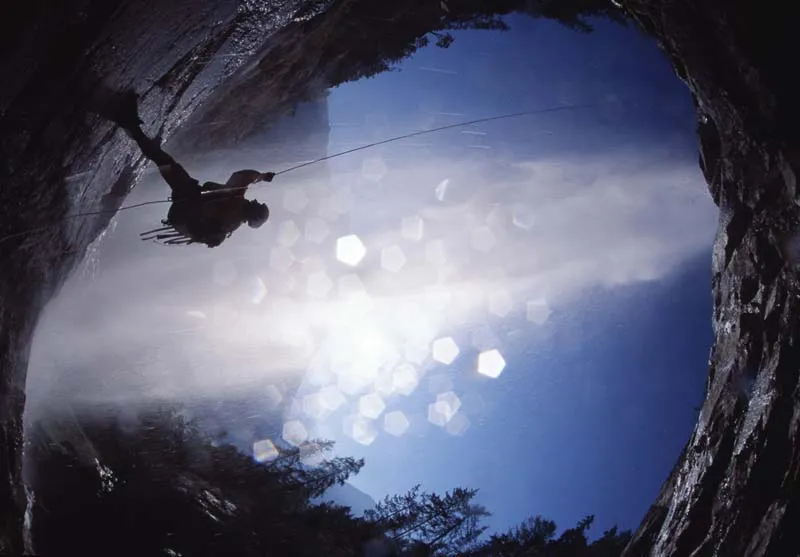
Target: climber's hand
{"x": 267, "y": 176}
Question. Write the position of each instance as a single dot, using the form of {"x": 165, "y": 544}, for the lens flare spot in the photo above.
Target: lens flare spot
{"x": 445, "y": 350}
{"x": 317, "y": 230}
{"x": 393, "y": 259}
{"x": 412, "y": 228}
{"x": 265, "y": 451}
{"x": 273, "y": 396}
{"x": 331, "y": 397}
{"x": 523, "y": 217}
{"x": 350, "y": 250}
{"x": 395, "y": 423}
{"x": 443, "y": 410}
{"x": 491, "y": 363}
{"x": 440, "y": 191}
{"x": 360, "y": 430}
{"x": 474, "y": 405}
{"x": 451, "y": 400}
{"x": 352, "y": 383}
{"x": 314, "y": 407}
{"x": 537, "y": 311}
{"x": 457, "y": 425}
{"x": 288, "y": 233}
{"x": 318, "y": 284}
{"x": 404, "y": 379}
{"x": 415, "y": 352}
{"x": 371, "y": 406}
{"x": 259, "y": 291}
{"x": 383, "y": 383}
{"x": 483, "y": 338}
{"x": 437, "y": 414}
{"x": 294, "y": 432}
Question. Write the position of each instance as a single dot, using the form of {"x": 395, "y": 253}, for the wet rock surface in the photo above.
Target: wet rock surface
{"x": 734, "y": 489}
{"x": 60, "y": 158}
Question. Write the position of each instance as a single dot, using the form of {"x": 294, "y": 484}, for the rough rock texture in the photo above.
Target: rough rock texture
{"x": 734, "y": 489}
{"x": 57, "y": 158}
{"x": 353, "y": 39}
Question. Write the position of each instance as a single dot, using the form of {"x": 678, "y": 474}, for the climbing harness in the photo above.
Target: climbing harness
{"x": 168, "y": 236}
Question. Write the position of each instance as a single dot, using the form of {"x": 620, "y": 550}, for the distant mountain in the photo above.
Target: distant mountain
{"x": 348, "y": 495}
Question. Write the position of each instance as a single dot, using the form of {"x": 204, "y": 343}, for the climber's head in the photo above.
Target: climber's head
{"x": 256, "y": 213}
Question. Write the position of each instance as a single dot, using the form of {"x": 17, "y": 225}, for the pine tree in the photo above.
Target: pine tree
{"x": 418, "y": 521}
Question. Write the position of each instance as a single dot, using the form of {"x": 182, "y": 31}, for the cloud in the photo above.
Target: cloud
{"x": 559, "y": 226}
{"x": 162, "y": 322}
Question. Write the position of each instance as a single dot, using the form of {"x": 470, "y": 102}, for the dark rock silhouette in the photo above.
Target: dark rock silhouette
{"x": 60, "y": 158}
{"x": 150, "y": 482}
{"x": 733, "y": 490}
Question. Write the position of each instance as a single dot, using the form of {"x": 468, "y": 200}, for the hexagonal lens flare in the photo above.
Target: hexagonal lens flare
{"x": 445, "y": 350}
{"x": 317, "y": 230}
{"x": 393, "y": 259}
{"x": 538, "y": 311}
{"x": 371, "y": 406}
{"x": 412, "y": 228}
{"x": 405, "y": 379}
{"x": 350, "y": 250}
{"x": 295, "y": 432}
{"x": 443, "y": 410}
{"x": 491, "y": 363}
{"x": 395, "y": 423}
{"x": 265, "y": 451}
{"x": 288, "y": 233}
{"x": 360, "y": 430}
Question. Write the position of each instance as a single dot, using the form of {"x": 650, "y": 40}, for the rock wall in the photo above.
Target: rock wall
{"x": 734, "y": 489}
{"x": 59, "y": 158}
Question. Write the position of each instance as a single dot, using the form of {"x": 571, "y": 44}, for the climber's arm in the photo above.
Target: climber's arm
{"x": 243, "y": 178}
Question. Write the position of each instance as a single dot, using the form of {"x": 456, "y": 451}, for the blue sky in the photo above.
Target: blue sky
{"x": 589, "y": 420}
{"x": 596, "y": 219}
{"x": 589, "y": 415}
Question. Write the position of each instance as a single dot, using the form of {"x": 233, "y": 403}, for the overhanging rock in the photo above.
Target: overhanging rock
{"x": 734, "y": 489}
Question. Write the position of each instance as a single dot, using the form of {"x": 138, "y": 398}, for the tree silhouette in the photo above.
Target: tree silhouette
{"x": 161, "y": 486}
{"x": 158, "y": 486}
{"x": 574, "y": 14}
{"x": 531, "y": 537}
{"x": 426, "y": 522}
{"x": 535, "y": 537}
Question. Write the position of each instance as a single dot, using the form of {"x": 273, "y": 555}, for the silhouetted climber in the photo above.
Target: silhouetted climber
{"x": 207, "y": 214}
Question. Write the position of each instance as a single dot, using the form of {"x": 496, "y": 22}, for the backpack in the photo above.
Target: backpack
{"x": 185, "y": 225}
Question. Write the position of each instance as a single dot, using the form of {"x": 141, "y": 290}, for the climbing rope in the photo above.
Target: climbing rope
{"x": 441, "y": 128}
{"x": 559, "y": 108}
